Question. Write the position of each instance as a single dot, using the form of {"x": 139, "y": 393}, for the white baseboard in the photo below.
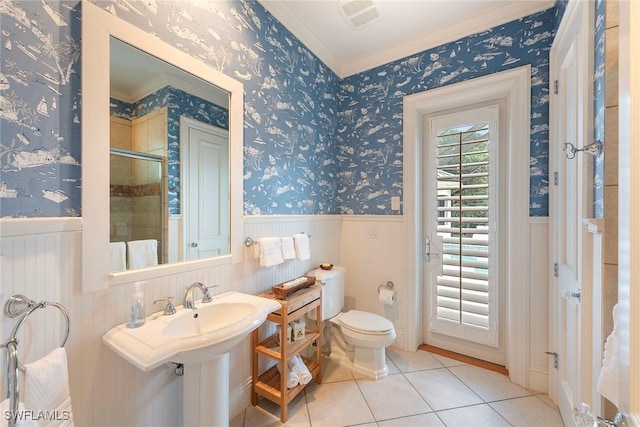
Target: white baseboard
{"x": 538, "y": 380}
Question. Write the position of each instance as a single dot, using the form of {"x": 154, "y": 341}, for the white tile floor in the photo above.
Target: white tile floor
{"x": 422, "y": 389}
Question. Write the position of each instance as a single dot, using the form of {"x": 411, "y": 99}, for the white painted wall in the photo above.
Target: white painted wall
{"x": 41, "y": 258}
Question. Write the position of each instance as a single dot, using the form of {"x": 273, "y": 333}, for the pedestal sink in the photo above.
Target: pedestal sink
{"x": 201, "y": 339}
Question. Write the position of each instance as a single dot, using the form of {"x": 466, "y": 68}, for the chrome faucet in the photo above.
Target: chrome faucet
{"x": 188, "y": 296}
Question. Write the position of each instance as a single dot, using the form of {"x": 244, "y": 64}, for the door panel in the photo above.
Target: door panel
{"x": 207, "y": 197}
{"x": 570, "y": 203}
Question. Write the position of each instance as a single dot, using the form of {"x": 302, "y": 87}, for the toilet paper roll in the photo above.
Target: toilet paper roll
{"x": 387, "y": 296}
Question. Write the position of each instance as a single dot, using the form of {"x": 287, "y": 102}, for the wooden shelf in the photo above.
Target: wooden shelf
{"x": 271, "y": 348}
{"x": 271, "y": 384}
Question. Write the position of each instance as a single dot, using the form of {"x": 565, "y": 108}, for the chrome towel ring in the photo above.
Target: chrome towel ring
{"x": 20, "y": 305}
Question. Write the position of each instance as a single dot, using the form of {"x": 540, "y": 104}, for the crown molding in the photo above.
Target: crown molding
{"x": 283, "y": 13}
{"x": 451, "y": 32}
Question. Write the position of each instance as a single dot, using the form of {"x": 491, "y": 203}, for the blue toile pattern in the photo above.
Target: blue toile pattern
{"x": 178, "y": 103}
{"x": 599, "y": 107}
{"x": 314, "y": 144}
{"x": 370, "y": 135}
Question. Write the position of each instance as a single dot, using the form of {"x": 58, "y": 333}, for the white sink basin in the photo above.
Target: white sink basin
{"x": 191, "y": 335}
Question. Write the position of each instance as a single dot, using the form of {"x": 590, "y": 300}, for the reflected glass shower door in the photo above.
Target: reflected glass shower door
{"x": 136, "y": 198}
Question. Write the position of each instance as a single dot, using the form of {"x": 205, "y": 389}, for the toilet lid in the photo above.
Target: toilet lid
{"x": 364, "y": 322}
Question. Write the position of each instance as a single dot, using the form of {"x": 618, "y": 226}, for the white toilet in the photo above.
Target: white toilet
{"x": 357, "y": 338}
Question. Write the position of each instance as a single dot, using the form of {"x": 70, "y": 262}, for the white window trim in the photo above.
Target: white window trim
{"x": 514, "y": 86}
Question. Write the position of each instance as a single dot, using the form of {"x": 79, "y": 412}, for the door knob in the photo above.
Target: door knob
{"x": 194, "y": 245}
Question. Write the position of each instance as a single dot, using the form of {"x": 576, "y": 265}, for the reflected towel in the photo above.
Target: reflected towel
{"x": 22, "y": 412}
{"x": 269, "y": 251}
{"x": 46, "y": 384}
{"x": 292, "y": 377}
{"x": 297, "y": 365}
{"x": 288, "y": 249}
{"x": 142, "y": 253}
{"x": 301, "y": 243}
{"x": 118, "y": 256}
{"x": 608, "y": 381}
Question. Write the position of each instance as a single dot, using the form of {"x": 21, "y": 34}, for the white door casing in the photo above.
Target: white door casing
{"x": 205, "y": 189}
{"x": 514, "y": 86}
{"x": 571, "y": 202}
{"x": 629, "y": 213}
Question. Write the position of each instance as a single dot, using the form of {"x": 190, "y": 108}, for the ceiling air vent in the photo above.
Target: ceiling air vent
{"x": 359, "y": 12}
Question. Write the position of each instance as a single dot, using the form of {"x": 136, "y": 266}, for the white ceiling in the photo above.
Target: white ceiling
{"x": 406, "y": 27}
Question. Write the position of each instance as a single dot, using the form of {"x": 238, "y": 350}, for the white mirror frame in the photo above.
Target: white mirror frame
{"x": 98, "y": 26}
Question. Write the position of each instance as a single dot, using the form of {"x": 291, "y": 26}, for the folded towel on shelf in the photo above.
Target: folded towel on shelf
{"x": 297, "y": 365}
{"x": 301, "y": 243}
{"x": 5, "y": 412}
{"x": 142, "y": 253}
{"x": 46, "y": 385}
{"x": 118, "y": 252}
{"x": 268, "y": 249}
{"x": 292, "y": 377}
{"x": 288, "y": 249}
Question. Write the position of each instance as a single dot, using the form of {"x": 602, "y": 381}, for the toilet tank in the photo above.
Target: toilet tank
{"x": 332, "y": 282}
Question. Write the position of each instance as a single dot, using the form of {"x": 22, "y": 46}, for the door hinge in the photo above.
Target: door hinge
{"x": 555, "y": 358}
{"x": 555, "y": 87}
{"x": 556, "y": 269}
{"x": 555, "y": 178}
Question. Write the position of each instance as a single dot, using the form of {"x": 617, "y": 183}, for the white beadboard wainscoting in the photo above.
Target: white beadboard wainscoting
{"x": 373, "y": 250}
{"x": 41, "y": 258}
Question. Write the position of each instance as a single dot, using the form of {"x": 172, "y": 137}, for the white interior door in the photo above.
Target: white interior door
{"x": 628, "y": 353}
{"x": 205, "y": 194}
{"x": 571, "y": 202}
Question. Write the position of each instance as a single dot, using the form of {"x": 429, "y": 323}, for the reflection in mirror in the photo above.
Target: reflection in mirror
{"x": 167, "y": 127}
{"x": 99, "y": 28}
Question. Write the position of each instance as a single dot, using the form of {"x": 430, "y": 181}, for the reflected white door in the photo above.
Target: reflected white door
{"x": 571, "y": 201}
{"x": 205, "y": 198}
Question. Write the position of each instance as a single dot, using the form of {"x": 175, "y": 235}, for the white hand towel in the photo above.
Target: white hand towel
{"x": 292, "y": 377}
{"x": 269, "y": 251}
{"x": 22, "y": 412}
{"x": 297, "y": 365}
{"x": 142, "y": 253}
{"x": 118, "y": 256}
{"x": 288, "y": 249}
{"x": 301, "y": 242}
{"x": 46, "y": 385}
{"x": 608, "y": 380}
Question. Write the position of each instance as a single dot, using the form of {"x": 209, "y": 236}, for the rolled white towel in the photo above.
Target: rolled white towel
{"x": 22, "y": 416}
{"x": 297, "y": 365}
{"x": 292, "y": 377}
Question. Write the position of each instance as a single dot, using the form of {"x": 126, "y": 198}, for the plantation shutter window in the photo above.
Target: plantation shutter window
{"x": 465, "y": 291}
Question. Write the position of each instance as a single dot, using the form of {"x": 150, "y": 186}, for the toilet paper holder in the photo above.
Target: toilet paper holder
{"x": 388, "y": 285}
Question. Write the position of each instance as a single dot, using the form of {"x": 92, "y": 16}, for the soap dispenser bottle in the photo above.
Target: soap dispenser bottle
{"x": 137, "y": 315}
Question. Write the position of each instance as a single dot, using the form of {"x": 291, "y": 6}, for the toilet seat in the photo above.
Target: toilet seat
{"x": 365, "y": 323}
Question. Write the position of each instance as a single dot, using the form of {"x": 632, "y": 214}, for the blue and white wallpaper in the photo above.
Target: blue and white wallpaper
{"x": 598, "y": 107}
{"x": 370, "y": 134}
{"x": 179, "y": 103}
{"x": 314, "y": 144}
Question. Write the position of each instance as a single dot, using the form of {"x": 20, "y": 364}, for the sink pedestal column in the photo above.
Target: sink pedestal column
{"x": 206, "y": 393}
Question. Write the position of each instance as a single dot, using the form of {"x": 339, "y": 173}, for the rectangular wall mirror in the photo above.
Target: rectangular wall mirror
{"x": 162, "y": 157}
